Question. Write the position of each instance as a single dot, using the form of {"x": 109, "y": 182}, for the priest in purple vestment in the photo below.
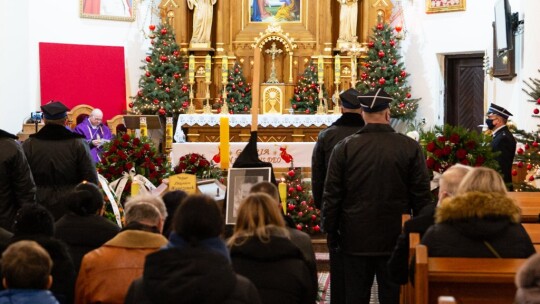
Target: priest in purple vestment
{"x": 96, "y": 133}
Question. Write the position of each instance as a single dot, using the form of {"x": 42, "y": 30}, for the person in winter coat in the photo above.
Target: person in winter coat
{"x": 26, "y": 274}
{"x": 17, "y": 185}
{"x": 194, "y": 267}
{"x": 528, "y": 281}
{"x": 83, "y": 228}
{"x": 481, "y": 221}
{"x": 58, "y": 158}
{"x": 262, "y": 251}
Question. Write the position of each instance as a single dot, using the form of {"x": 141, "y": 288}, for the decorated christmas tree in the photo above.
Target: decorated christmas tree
{"x": 528, "y": 155}
{"x": 306, "y": 92}
{"x": 383, "y": 69}
{"x": 238, "y": 91}
{"x": 300, "y": 205}
{"x": 162, "y": 89}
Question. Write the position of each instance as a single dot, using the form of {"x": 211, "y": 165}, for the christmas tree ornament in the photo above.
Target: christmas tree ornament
{"x": 382, "y": 81}
{"x": 536, "y": 111}
{"x": 380, "y": 26}
{"x": 163, "y": 31}
{"x": 148, "y": 59}
{"x": 147, "y": 74}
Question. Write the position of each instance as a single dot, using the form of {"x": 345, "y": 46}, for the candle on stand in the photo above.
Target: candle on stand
{"x": 337, "y": 68}
{"x": 320, "y": 68}
{"x": 207, "y": 67}
{"x": 282, "y": 187}
{"x": 143, "y": 127}
{"x": 224, "y": 69}
{"x": 224, "y": 145}
{"x": 191, "y": 68}
{"x": 168, "y": 134}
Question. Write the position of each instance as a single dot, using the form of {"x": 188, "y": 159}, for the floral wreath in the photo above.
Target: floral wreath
{"x": 197, "y": 164}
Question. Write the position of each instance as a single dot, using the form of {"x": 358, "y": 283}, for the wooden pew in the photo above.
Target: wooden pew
{"x": 533, "y": 230}
{"x": 529, "y": 202}
{"x": 468, "y": 280}
{"x": 407, "y": 290}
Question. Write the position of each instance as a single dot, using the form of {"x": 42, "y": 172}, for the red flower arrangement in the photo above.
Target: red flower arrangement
{"x": 197, "y": 164}
{"x": 126, "y": 152}
{"x": 449, "y": 145}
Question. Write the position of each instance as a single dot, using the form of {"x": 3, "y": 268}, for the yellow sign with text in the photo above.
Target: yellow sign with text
{"x": 183, "y": 181}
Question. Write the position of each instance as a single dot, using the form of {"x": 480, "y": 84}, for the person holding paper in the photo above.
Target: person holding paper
{"x": 95, "y": 132}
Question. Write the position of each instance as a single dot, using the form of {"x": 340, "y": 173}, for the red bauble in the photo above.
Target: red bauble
{"x": 527, "y": 147}
{"x": 371, "y": 44}
{"x": 383, "y": 43}
{"x": 291, "y": 189}
{"x": 379, "y": 26}
{"x": 538, "y": 101}
{"x": 529, "y": 166}
{"x": 243, "y": 95}
{"x": 307, "y": 111}
{"x": 148, "y": 59}
{"x": 176, "y": 76}
{"x": 408, "y": 95}
{"x": 152, "y": 27}
{"x": 299, "y": 227}
{"x": 163, "y": 58}
{"x": 373, "y": 84}
{"x": 383, "y": 68}
{"x": 175, "y": 53}
{"x": 155, "y": 101}
{"x": 167, "y": 90}
{"x": 398, "y": 28}
{"x": 219, "y": 111}
{"x": 184, "y": 88}
{"x": 297, "y": 99}
{"x": 165, "y": 43}
{"x": 161, "y": 111}
{"x": 245, "y": 108}
{"x": 394, "y": 61}
{"x": 514, "y": 172}
{"x": 382, "y": 81}
{"x": 396, "y": 79}
{"x": 381, "y": 54}
{"x": 403, "y": 73}
{"x": 159, "y": 80}
{"x": 392, "y": 43}
{"x": 298, "y": 187}
{"x": 240, "y": 83}
{"x": 531, "y": 178}
{"x": 535, "y": 144}
{"x": 300, "y": 214}
{"x": 236, "y": 70}
{"x": 313, "y": 217}
{"x": 148, "y": 74}
{"x": 152, "y": 41}
{"x": 520, "y": 164}
{"x": 316, "y": 228}
{"x": 163, "y": 31}
{"x": 367, "y": 65}
{"x": 139, "y": 93}
{"x": 363, "y": 76}
{"x": 305, "y": 89}
{"x": 185, "y": 104}
{"x": 520, "y": 151}
{"x": 536, "y": 111}
{"x": 231, "y": 112}
{"x": 130, "y": 104}
{"x": 401, "y": 105}
{"x": 186, "y": 66}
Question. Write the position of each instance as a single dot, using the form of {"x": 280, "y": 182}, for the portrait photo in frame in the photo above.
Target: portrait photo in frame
{"x": 239, "y": 182}
{"x": 443, "y": 6}
{"x": 120, "y": 10}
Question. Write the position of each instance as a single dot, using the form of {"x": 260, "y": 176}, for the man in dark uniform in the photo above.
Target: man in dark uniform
{"x": 58, "y": 158}
{"x": 374, "y": 176}
{"x": 17, "y": 185}
{"x": 349, "y": 123}
{"x": 503, "y": 140}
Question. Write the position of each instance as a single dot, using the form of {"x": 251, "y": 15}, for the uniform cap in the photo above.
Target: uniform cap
{"x": 498, "y": 110}
{"x": 375, "y": 101}
{"x": 54, "y": 110}
{"x": 349, "y": 99}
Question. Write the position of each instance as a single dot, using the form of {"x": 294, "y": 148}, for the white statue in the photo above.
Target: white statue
{"x": 202, "y": 19}
{"x": 348, "y": 16}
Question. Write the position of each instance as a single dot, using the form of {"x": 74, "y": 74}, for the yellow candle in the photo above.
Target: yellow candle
{"x": 282, "y": 187}
{"x": 142, "y": 127}
{"x": 135, "y": 188}
{"x": 169, "y": 133}
{"x": 224, "y": 69}
{"x": 224, "y": 146}
{"x": 337, "y": 68}
{"x": 207, "y": 67}
{"x": 320, "y": 68}
{"x": 191, "y": 68}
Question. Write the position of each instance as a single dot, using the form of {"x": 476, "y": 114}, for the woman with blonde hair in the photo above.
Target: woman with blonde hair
{"x": 480, "y": 221}
{"x": 262, "y": 251}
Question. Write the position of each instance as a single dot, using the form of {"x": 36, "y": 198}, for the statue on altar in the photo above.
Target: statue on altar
{"x": 348, "y": 17}
{"x": 202, "y": 20}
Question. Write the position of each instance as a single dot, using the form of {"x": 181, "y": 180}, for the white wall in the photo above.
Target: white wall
{"x": 25, "y": 23}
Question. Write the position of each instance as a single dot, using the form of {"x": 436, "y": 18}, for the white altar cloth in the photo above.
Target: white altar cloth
{"x": 268, "y": 151}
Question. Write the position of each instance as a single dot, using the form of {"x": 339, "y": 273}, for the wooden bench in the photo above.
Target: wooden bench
{"x": 468, "y": 280}
{"x": 529, "y": 202}
{"x": 533, "y": 230}
{"x": 407, "y": 290}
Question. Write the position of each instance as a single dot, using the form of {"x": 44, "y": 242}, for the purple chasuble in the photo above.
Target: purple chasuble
{"x": 101, "y": 132}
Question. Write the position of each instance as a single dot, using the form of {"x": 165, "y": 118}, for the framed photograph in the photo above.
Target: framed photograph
{"x": 239, "y": 182}
{"x": 443, "y": 6}
{"x": 274, "y": 10}
{"x": 121, "y": 10}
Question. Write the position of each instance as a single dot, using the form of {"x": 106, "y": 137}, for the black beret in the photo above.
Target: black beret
{"x": 349, "y": 99}
{"x": 54, "y": 110}
{"x": 498, "y": 110}
{"x": 375, "y": 101}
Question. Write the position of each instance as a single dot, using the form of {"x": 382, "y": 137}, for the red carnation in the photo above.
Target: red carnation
{"x": 136, "y": 141}
{"x": 430, "y": 147}
{"x": 437, "y": 167}
{"x": 125, "y": 145}
{"x": 461, "y": 153}
{"x": 441, "y": 139}
{"x": 430, "y": 162}
{"x": 128, "y": 166}
{"x": 480, "y": 160}
{"x": 454, "y": 138}
{"x": 470, "y": 145}
{"x": 438, "y": 153}
{"x": 146, "y": 147}
{"x": 465, "y": 162}
{"x": 126, "y": 137}
{"x": 447, "y": 150}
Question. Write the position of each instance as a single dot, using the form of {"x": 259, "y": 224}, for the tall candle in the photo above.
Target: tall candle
{"x": 337, "y": 68}
{"x": 224, "y": 146}
{"x": 169, "y": 133}
{"x": 143, "y": 127}
{"x": 224, "y": 69}
{"x": 191, "y": 68}
{"x": 282, "y": 187}
{"x": 135, "y": 188}
{"x": 320, "y": 68}
{"x": 207, "y": 67}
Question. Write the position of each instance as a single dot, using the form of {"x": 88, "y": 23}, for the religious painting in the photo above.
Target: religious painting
{"x": 274, "y": 10}
{"x": 239, "y": 182}
{"x": 442, "y": 6}
{"x": 121, "y": 10}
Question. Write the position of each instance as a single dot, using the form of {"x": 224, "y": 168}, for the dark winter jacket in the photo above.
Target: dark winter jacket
{"x": 59, "y": 160}
{"x": 192, "y": 275}
{"x": 83, "y": 234}
{"x": 528, "y": 281}
{"x": 277, "y": 268}
{"x": 347, "y": 124}
{"x": 16, "y": 182}
{"x": 469, "y": 224}
{"x": 27, "y": 296}
{"x": 374, "y": 176}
